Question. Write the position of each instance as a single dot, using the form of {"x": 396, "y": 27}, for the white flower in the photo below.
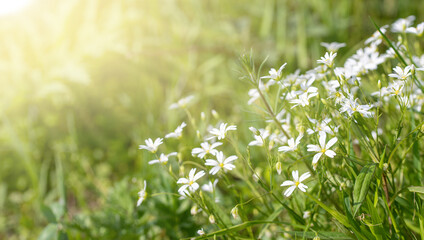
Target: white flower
{"x": 322, "y": 148}
{"x": 182, "y": 103}
{"x": 306, "y": 214}
{"x": 376, "y": 37}
{"x": 292, "y": 145}
{"x": 333, "y": 47}
{"x": 400, "y": 73}
{"x": 395, "y": 88}
{"x": 234, "y": 212}
{"x": 260, "y": 136}
{"x": 190, "y": 182}
{"x": 221, "y": 132}
{"x": 328, "y": 59}
{"x": 150, "y": 145}
{"x": 321, "y": 126}
{"x": 303, "y": 99}
{"x": 201, "y": 232}
{"x": 419, "y": 30}
{"x": 220, "y": 163}
{"x": 351, "y": 106}
{"x": 254, "y": 93}
{"x": 178, "y": 132}
{"x": 296, "y": 183}
{"x": 142, "y": 195}
{"x": 402, "y": 24}
{"x": 206, "y": 148}
{"x": 209, "y": 187}
{"x": 274, "y": 74}
{"x": 163, "y": 158}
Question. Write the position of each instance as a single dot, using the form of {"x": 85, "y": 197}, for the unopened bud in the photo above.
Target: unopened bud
{"x": 198, "y": 133}
{"x": 194, "y": 210}
{"x": 215, "y": 114}
{"x": 422, "y": 128}
{"x": 234, "y": 212}
{"x": 316, "y": 238}
{"x": 278, "y": 167}
{"x": 412, "y": 69}
{"x": 379, "y": 84}
{"x": 212, "y": 219}
{"x": 202, "y": 116}
{"x": 385, "y": 166}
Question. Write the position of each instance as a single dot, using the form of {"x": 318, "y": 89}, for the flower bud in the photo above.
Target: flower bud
{"x": 316, "y": 238}
{"x": 194, "y": 210}
{"x": 385, "y": 166}
{"x": 212, "y": 219}
{"x": 379, "y": 84}
{"x": 202, "y": 116}
{"x": 215, "y": 114}
{"x": 278, "y": 167}
{"x": 234, "y": 212}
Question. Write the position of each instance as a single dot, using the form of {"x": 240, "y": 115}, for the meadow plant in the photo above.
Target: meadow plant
{"x": 335, "y": 152}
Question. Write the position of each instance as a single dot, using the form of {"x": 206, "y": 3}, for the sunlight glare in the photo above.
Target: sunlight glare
{"x": 12, "y": 6}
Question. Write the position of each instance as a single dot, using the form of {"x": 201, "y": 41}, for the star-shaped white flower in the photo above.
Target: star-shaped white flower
{"x": 142, "y": 195}
{"x": 400, "y": 73}
{"x": 182, "y": 103}
{"x": 221, "y": 163}
{"x": 178, "y": 132}
{"x": 221, "y": 132}
{"x": 328, "y": 59}
{"x": 190, "y": 182}
{"x": 296, "y": 183}
{"x": 163, "y": 158}
{"x": 150, "y": 145}
{"x": 292, "y": 145}
{"x": 322, "y": 148}
{"x": 206, "y": 148}
{"x": 274, "y": 74}
{"x": 333, "y": 47}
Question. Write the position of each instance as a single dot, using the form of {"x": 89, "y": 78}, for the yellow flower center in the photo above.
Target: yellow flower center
{"x": 323, "y": 150}
{"x": 354, "y": 109}
{"x": 190, "y": 183}
{"x": 297, "y": 183}
{"x": 397, "y": 92}
{"x": 221, "y": 165}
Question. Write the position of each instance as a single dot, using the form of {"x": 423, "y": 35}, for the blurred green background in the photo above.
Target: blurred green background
{"x": 84, "y": 82}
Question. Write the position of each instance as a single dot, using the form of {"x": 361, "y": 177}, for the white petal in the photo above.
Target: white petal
{"x": 304, "y": 176}
{"x": 330, "y": 153}
{"x": 295, "y": 175}
{"x": 287, "y": 183}
{"x": 316, "y": 157}
{"x": 289, "y": 191}
{"x": 331, "y": 142}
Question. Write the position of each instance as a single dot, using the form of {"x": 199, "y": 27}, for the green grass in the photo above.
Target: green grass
{"x": 83, "y": 83}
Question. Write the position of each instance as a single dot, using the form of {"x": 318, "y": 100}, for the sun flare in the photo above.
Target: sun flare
{"x": 12, "y": 6}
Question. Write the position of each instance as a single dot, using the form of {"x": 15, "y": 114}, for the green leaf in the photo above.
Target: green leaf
{"x": 362, "y": 184}
{"x": 48, "y": 213}
{"x": 416, "y": 189}
{"x": 50, "y": 232}
{"x": 270, "y": 218}
{"x": 322, "y": 235}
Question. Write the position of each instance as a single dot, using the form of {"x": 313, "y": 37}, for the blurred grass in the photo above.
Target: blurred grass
{"x": 83, "y": 83}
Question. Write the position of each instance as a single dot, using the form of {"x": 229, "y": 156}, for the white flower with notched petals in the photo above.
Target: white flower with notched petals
{"x": 322, "y": 148}
{"x": 351, "y": 106}
{"x": 274, "y": 74}
{"x": 400, "y": 73}
{"x": 142, "y": 195}
{"x": 178, "y": 132}
{"x": 333, "y": 47}
{"x": 221, "y": 132}
{"x": 303, "y": 99}
{"x": 419, "y": 30}
{"x": 190, "y": 182}
{"x": 150, "y": 145}
{"x": 201, "y": 232}
{"x": 402, "y": 24}
{"x": 376, "y": 37}
{"x": 328, "y": 59}
{"x": 221, "y": 163}
{"x": 395, "y": 88}
{"x": 182, "y": 103}
{"x": 206, "y": 148}
{"x": 260, "y": 136}
{"x": 163, "y": 158}
{"x": 296, "y": 183}
{"x": 292, "y": 144}
{"x": 210, "y": 186}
